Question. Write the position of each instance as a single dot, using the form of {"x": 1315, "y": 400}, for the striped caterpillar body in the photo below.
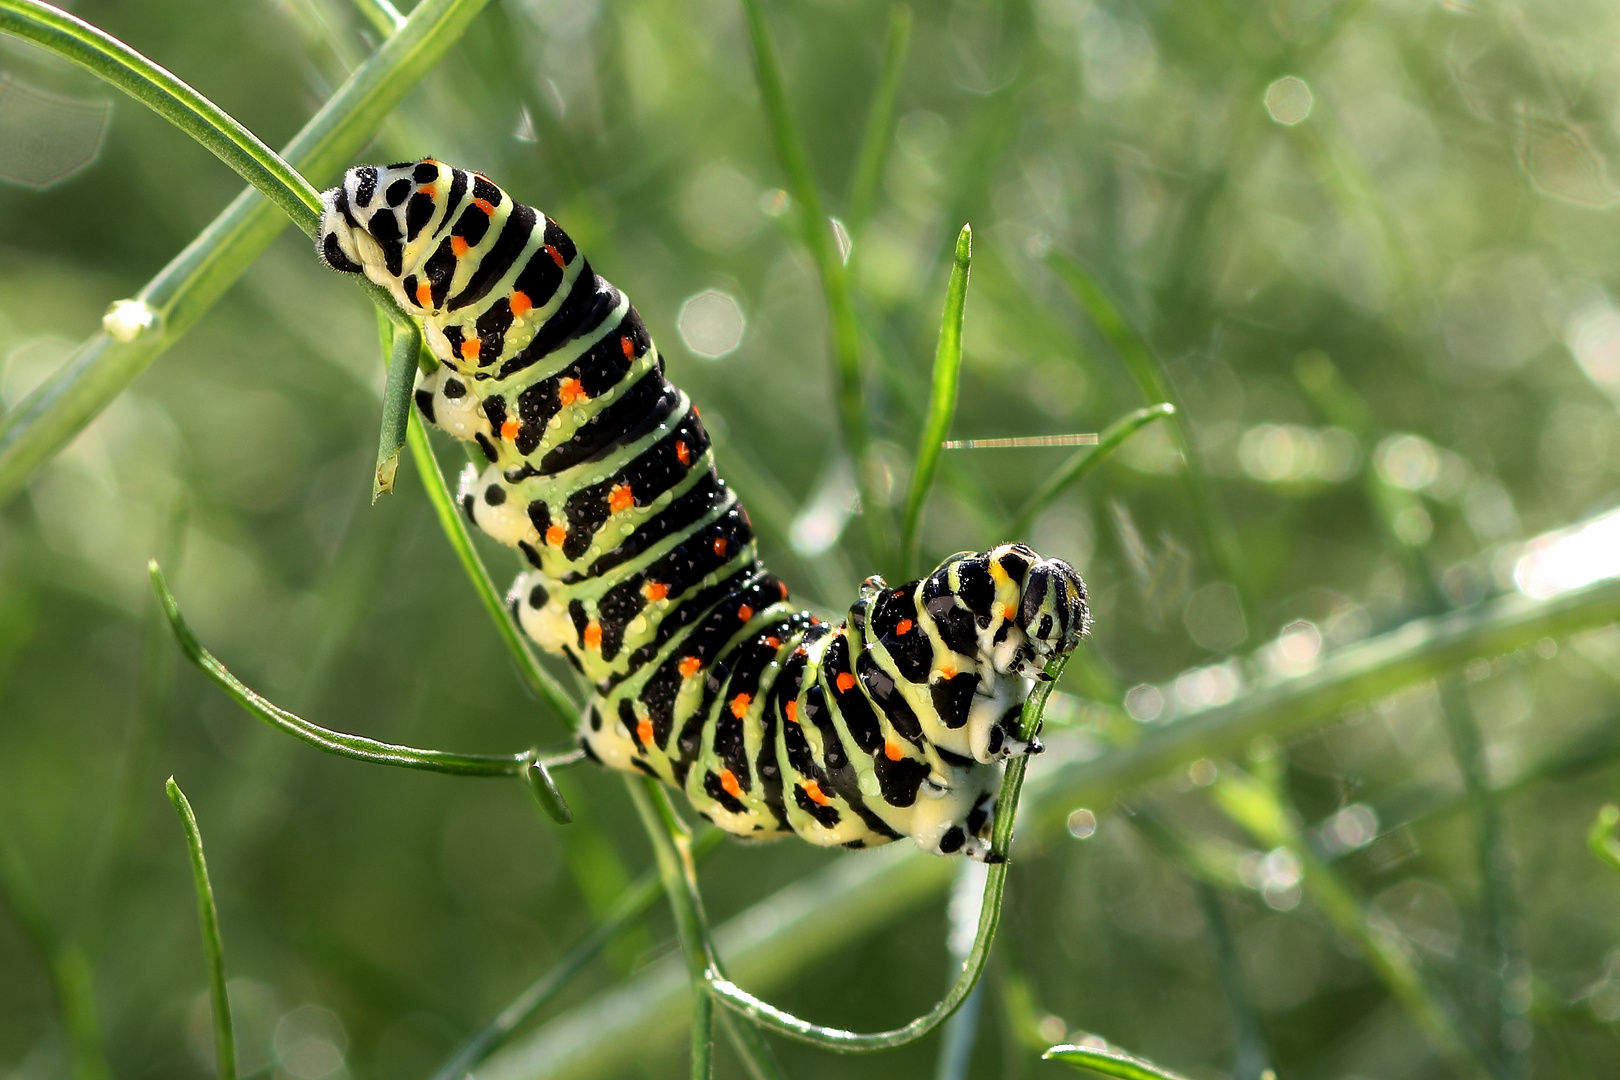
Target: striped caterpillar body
{"x": 644, "y": 573}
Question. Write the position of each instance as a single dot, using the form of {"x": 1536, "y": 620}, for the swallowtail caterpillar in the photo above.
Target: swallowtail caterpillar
{"x": 643, "y": 570}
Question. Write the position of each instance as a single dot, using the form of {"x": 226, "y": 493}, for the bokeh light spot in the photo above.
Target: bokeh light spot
{"x": 46, "y": 138}
{"x": 1082, "y": 824}
{"x": 711, "y": 324}
{"x": 1289, "y": 100}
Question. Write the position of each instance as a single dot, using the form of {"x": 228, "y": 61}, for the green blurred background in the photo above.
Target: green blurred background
{"x": 1373, "y": 245}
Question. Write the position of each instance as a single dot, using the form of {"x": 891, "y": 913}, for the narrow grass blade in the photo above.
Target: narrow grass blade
{"x": 173, "y": 301}
{"x": 213, "y": 949}
{"x": 1600, "y": 837}
{"x": 817, "y": 235}
{"x": 1218, "y": 535}
{"x": 1109, "y": 1062}
{"x": 544, "y": 790}
{"x": 337, "y": 742}
{"x": 1083, "y": 462}
{"x": 69, "y": 968}
{"x": 941, "y": 400}
{"x": 879, "y": 123}
{"x": 396, "y": 412}
{"x": 111, "y": 60}
{"x": 535, "y": 677}
{"x": 768, "y": 1016}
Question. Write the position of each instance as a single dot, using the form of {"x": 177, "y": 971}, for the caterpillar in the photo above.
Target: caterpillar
{"x": 643, "y": 567}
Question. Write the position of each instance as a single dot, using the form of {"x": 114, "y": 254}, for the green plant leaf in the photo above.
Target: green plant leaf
{"x": 1109, "y": 1063}
{"x": 213, "y": 949}
{"x": 1084, "y": 461}
{"x": 340, "y": 743}
{"x": 941, "y": 399}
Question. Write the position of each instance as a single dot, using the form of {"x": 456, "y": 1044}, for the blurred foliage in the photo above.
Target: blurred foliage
{"x": 1370, "y": 247}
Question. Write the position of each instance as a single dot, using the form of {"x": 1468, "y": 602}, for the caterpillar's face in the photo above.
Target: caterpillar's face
{"x": 1028, "y": 609}
{"x": 376, "y": 221}
{"x": 1053, "y": 612}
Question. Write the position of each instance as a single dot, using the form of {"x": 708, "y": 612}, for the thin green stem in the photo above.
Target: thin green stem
{"x": 630, "y": 905}
{"x": 71, "y": 977}
{"x": 337, "y": 742}
{"x": 879, "y": 123}
{"x": 666, "y": 830}
{"x": 1600, "y": 837}
{"x": 816, "y": 233}
{"x": 154, "y": 86}
{"x": 674, "y": 839}
{"x": 382, "y": 15}
{"x": 213, "y": 949}
{"x": 757, "y": 1059}
{"x": 396, "y": 412}
{"x": 941, "y": 400}
{"x": 1219, "y": 538}
{"x": 1109, "y": 1062}
{"x": 183, "y": 291}
{"x": 536, "y": 678}
{"x": 739, "y": 1000}
{"x": 1085, "y": 460}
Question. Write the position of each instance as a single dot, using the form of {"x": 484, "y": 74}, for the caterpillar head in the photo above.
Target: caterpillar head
{"x": 376, "y": 221}
{"x": 1028, "y": 609}
{"x": 1053, "y": 612}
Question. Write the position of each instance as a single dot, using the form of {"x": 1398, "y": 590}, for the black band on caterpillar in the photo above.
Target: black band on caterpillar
{"x": 892, "y": 723}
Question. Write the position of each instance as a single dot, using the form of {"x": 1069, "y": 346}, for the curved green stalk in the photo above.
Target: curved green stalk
{"x": 535, "y": 677}
{"x": 879, "y": 122}
{"x": 109, "y": 59}
{"x": 1109, "y": 1062}
{"x": 816, "y": 233}
{"x": 941, "y": 400}
{"x": 183, "y": 291}
{"x": 1080, "y": 465}
{"x": 213, "y": 950}
{"x": 768, "y": 1016}
{"x": 337, "y": 742}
